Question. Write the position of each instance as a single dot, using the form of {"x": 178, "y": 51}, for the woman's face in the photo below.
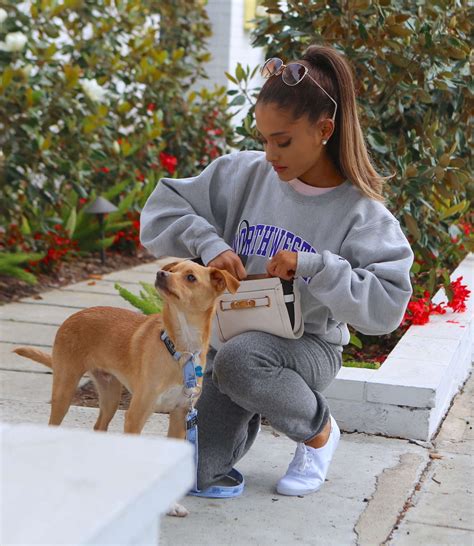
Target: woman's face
{"x": 293, "y": 147}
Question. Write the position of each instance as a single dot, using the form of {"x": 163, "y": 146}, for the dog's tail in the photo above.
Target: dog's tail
{"x": 35, "y": 354}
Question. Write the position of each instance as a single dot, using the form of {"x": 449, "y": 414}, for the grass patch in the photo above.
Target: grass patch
{"x": 361, "y": 364}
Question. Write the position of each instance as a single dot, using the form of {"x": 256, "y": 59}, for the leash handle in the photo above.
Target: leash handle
{"x": 192, "y": 437}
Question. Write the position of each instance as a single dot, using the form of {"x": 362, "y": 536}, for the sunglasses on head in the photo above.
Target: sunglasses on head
{"x": 291, "y": 74}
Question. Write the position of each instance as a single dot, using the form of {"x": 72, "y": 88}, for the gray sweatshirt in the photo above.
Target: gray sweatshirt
{"x": 353, "y": 258}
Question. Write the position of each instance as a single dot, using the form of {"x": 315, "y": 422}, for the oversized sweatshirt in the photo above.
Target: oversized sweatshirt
{"x": 353, "y": 258}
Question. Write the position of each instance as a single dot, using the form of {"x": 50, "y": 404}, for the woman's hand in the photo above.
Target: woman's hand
{"x": 283, "y": 265}
{"x": 229, "y": 261}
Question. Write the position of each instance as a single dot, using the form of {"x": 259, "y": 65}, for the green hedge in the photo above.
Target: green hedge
{"x": 99, "y": 93}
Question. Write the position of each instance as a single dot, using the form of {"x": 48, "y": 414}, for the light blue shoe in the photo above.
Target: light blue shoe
{"x": 235, "y": 487}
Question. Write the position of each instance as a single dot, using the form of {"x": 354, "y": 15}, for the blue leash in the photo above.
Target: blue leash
{"x": 191, "y": 371}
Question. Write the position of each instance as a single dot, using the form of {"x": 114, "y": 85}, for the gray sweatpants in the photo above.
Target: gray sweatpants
{"x": 257, "y": 374}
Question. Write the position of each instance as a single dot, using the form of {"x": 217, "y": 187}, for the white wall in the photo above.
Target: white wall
{"x": 220, "y": 15}
{"x": 241, "y": 50}
{"x": 229, "y": 44}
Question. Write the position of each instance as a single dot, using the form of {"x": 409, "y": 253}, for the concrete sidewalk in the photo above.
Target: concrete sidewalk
{"x": 379, "y": 490}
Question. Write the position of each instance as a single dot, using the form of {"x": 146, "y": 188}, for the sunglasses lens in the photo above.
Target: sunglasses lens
{"x": 293, "y": 73}
{"x": 271, "y": 67}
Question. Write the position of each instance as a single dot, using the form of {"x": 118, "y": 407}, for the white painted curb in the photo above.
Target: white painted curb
{"x": 69, "y": 486}
{"x": 410, "y": 393}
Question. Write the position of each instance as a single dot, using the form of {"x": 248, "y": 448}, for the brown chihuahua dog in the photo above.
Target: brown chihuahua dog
{"x": 118, "y": 347}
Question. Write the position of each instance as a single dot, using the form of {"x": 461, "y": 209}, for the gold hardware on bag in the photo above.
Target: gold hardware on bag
{"x": 243, "y": 304}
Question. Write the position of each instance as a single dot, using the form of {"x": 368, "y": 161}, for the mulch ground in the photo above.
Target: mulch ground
{"x": 87, "y": 396}
{"x": 69, "y": 272}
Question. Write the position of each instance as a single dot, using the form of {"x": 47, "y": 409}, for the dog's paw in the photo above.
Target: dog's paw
{"x": 178, "y": 511}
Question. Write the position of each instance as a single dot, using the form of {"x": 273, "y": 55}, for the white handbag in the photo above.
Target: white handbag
{"x": 267, "y": 304}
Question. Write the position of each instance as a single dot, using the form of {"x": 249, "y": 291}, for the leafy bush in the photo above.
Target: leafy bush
{"x": 97, "y": 93}
{"x": 148, "y": 301}
{"x": 11, "y": 264}
{"x": 75, "y": 232}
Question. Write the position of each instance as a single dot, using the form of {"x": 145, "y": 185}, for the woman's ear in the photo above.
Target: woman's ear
{"x": 326, "y": 129}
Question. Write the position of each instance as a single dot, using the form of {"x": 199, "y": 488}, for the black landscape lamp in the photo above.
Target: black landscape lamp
{"x": 101, "y": 207}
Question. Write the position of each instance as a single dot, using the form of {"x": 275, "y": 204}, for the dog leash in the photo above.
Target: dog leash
{"x": 191, "y": 371}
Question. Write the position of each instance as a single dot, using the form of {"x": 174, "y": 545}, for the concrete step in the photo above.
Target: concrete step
{"x": 27, "y": 333}
{"x": 15, "y": 363}
{"x": 132, "y": 275}
{"x": 28, "y": 386}
{"x": 63, "y": 486}
{"x": 101, "y": 287}
{"x": 40, "y": 314}
{"x": 37, "y": 412}
{"x": 80, "y": 300}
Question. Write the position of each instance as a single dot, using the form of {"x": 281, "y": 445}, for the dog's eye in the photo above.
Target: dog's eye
{"x": 191, "y": 278}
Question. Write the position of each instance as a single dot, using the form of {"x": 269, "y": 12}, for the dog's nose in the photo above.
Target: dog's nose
{"x": 161, "y": 274}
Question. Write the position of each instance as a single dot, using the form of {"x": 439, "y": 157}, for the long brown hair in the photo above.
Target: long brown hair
{"x": 346, "y": 146}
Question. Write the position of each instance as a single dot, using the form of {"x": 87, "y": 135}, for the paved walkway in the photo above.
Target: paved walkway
{"x": 379, "y": 490}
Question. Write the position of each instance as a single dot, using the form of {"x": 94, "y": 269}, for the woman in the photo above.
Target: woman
{"x": 309, "y": 207}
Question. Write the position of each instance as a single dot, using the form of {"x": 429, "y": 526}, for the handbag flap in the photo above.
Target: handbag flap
{"x": 257, "y": 284}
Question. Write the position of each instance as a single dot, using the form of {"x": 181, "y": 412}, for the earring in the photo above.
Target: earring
{"x": 325, "y": 142}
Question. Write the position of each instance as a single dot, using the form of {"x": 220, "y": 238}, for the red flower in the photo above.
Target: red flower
{"x": 168, "y": 162}
{"x": 150, "y": 107}
{"x": 416, "y": 312}
{"x": 105, "y": 170}
{"x": 419, "y": 311}
{"x": 140, "y": 176}
{"x": 466, "y": 227}
{"x": 460, "y": 295}
{"x": 380, "y": 358}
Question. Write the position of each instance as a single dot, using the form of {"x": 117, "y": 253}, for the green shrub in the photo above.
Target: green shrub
{"x": 11, "y": 265}
{"x": 148, "y": 301}
{"x": 94, "y": 94}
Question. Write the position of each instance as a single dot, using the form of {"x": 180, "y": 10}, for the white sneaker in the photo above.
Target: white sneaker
{"x": 309, "y": 467}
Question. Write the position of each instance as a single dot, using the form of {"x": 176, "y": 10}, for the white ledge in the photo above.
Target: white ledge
{"x": 411, "y": 392}
{"x": 69, "y": 486}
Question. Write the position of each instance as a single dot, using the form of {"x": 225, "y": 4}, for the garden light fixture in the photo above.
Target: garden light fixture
{"x": 101, "y": 207}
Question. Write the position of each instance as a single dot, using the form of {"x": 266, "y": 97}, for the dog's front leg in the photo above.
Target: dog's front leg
{"x": 177, "y": 429}
{"x": 177, "y": 425}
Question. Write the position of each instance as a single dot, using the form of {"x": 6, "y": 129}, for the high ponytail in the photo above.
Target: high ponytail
{"x": 346, "y": 146}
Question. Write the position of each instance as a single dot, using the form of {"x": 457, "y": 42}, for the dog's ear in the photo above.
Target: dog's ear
{"x": 222, "y": 279}
{"x": 167, "y": 267}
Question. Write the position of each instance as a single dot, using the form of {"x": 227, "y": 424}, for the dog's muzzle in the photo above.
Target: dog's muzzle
{"x": 161, "y": 279}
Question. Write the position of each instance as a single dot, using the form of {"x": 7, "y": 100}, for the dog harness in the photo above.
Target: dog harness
{"x": 191, "y": 371}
